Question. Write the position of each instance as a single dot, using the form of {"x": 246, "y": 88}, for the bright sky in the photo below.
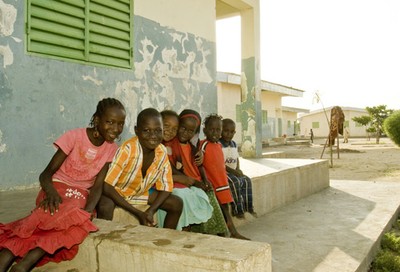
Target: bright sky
{"x": 346, "y": 50}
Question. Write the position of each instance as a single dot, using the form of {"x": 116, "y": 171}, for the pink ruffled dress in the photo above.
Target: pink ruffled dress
{"x": 60, "y": 234}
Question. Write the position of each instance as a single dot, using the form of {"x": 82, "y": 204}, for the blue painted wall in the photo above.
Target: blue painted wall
{"x": 40, "y": 98}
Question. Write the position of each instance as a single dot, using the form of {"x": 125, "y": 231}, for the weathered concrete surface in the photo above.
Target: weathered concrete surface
{"x": 278, "y": 182}
{"x": 118, "y": 247}
{"x": 336, "y": 230}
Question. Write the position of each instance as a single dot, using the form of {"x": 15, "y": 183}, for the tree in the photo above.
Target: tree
{"x": 392, "y": 127}
{"x": 377, "y": 116}
{"x": 364, "y": 120}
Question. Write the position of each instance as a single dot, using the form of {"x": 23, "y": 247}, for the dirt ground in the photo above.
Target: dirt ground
{"x": 359, "y": 159}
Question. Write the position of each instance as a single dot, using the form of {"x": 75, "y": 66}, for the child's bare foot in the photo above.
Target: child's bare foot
{"x": 237, "y": 235}
{"x": 254, "y": 214}
{"x": 240, "y": 216}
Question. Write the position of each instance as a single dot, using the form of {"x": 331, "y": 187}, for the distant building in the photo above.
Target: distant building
{"x": 318, "y": 122}
{"x": 277, "y": 120}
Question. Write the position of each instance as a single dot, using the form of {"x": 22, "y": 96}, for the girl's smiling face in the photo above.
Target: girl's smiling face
{"x": 111, "y": 124}
{"x": 187, "y": 129}
{"x": 170, "y": 126}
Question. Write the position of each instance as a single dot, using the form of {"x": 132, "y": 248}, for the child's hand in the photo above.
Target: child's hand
{"x": 198, "y": 158}
{"x": 51, "y": 202}
{"x": 190, "y": 181}
{"x": 146, "y": 219}
{"x": 206, "y": 186}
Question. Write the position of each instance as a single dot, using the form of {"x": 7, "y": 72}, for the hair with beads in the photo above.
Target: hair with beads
{"x": 210, "y": 117}
{"x": 102, "y": 107}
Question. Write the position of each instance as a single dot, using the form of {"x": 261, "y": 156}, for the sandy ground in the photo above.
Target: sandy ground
{"x": 359, "y": 159}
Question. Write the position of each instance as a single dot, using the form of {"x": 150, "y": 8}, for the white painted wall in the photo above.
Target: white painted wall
{"x": 228, "y": 98}
{"x": 323, "y": 130}
{"x": 174, "y": 13}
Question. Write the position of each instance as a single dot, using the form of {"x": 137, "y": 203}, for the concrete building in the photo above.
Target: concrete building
{"x": 59, "y": 58}
{"x": 276, "y": 120}
{"x": 318, "y": 122}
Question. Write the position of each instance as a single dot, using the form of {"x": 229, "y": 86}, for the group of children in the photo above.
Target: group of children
{"x": 190, "y": 183}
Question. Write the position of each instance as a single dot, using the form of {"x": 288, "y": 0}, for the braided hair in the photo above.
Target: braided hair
{"x": 102, "y": 107}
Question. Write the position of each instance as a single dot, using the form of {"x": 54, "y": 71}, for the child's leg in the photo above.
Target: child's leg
{"x": 247, "y": 194}
{"x": 29, "y": 260}
{"x": 105, "y": 208}
{"x": 173, "y": 206}
{"x": 229, "y": 223}
{"x": 235, "y": 187}
{"x": 6, "y": 258}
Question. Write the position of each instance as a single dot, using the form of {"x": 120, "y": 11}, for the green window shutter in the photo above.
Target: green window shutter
{"x": 94, "y": 31}
{"x": 264, "y": 117}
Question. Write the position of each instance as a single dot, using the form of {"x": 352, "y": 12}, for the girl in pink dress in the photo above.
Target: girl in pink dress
{"x": 71, "y": 186}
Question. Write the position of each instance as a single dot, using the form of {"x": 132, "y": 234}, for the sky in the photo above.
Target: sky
{"x": 346, "y": 51}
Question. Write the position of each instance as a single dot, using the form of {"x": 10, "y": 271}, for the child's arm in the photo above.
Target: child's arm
{"x": 52, "y": 200}
{"x": 183, "y": 179}
{"x": 238, "y": 168}
{"x": 109, "y": 191}
{"x": 206, "y": 184}
{"x": 97, "y": 189}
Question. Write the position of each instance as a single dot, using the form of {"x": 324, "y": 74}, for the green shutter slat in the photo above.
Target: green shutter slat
{"x": 109, "y": 41}
{"x": 112, "y": 4}
{"x": 102, "y": 10}
{"x": 107, "y": 21}
{"x": 124, "y": 1}
{"x": 57, "y": 28}
{"x": 50, "y": 38}
{"x": 95, "y": 31}
{"x": 56, "y": 50}
{"x": 108, "y": 31}
{"x": 110, "y": 61}
{"x": 57, "y": 17}
{"x": 60, "y": 7}
{"x": 108, "y": 51}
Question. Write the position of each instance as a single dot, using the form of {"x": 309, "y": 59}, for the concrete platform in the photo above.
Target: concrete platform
{"x": 126, "y": 248}
{"x": 336, "y": 230}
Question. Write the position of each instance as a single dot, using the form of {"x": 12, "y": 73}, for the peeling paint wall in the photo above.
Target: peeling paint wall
{"x": 40, "y": 98}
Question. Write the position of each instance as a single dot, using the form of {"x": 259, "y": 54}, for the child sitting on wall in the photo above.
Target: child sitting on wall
{"x": 196, "y": 205}
{"x": 240, "y": 184}
{"x": 214, "y": 165}
{"x": 141, "y": 174}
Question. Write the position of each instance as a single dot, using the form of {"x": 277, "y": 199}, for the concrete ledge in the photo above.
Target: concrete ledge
{"x": 278, "y": 182}
{"x": 119, "y": 247}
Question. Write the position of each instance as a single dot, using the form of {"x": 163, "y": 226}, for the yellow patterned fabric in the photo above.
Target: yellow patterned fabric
{"x": 125, "y": 172}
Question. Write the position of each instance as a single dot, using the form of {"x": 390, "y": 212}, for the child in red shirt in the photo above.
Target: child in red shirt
{"x": 214, "y": 165}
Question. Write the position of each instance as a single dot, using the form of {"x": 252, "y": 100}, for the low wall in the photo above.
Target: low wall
{"x": 126, "y": 248}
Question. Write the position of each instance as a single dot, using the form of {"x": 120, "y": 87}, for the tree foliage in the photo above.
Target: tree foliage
{"x": 374, "y": 120}
{"x": 392, "y": 127}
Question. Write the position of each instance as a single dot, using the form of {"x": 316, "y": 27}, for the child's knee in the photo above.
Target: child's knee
{"x": 105, "y": 208}
{"x": 177, "y": 203}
